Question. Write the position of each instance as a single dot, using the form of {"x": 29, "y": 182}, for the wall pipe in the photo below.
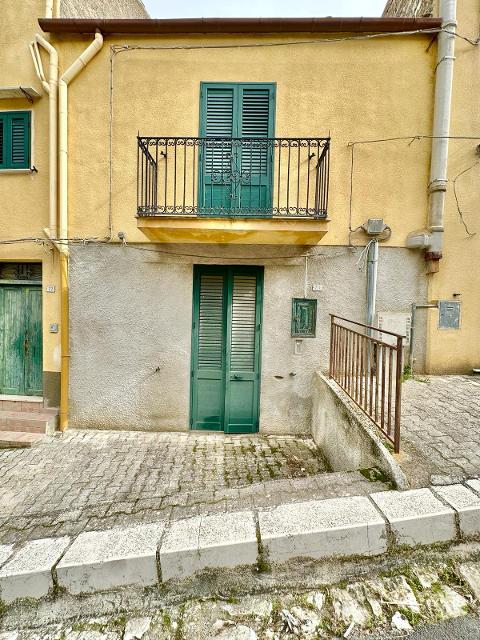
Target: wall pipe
{"x": 51, "y": 87}
{"x": 432, "y": 242}
{"x": 69, "y": 75}
{"x": 415, "y": 306}
{"x": 441, "y": 128}
{"x": 49, "y": 9}
{"x": 372, "y": 271}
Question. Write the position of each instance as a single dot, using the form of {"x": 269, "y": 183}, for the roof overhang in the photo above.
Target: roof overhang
{"x": 144, "y": 26}
{"x": 14, "y": 93}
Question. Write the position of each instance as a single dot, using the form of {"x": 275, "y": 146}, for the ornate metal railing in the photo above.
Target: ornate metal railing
{"x": 259, "y": 177}
{"x": 367, "y": 363}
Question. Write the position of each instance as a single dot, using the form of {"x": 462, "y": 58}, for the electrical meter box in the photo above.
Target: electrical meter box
{"x": 400, "y": 323}
{"x": 448, "y": 314}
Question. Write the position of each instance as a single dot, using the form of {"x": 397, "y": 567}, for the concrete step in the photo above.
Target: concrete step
{"x": 44, "y": 422}
{"x": 18, "y": 439}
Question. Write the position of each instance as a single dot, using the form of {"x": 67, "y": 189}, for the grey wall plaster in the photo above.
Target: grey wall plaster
{"x": 131, "y": 314}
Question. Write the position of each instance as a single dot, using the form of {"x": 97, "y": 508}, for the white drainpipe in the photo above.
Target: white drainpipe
{"x": 432, "y": 241}
{"x": 65, "y": 80}
{"x": 49, "y": 9}
{"x": 51, "y": 87}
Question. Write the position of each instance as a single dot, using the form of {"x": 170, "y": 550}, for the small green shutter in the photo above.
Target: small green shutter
{"x": 15, "y": 136}
{"x": 2, "y": 143}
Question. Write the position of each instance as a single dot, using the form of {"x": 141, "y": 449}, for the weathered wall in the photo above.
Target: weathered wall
{"x": 102, "y": 9}
{"x": 356, "y": 90}
{"x": 411, "y": 8}
{"x": 346, "y": 436}
{"x": 24, "y": 194}
{"x": 131, "y": 313}
{"x": 458, "y": 351}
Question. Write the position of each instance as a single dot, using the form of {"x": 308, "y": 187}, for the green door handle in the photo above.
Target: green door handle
{"x": 236, "y": 377}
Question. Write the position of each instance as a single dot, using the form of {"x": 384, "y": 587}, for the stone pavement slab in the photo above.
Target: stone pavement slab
{"x": 217, "y": 541}
{"x": 5, "y": 552}
{"x": 100, "y": 560}
{"x": 440, "y": 427}
{"x": 344, "y": 526}
{"x": 28, "y": 573}
{"x": 417, "y": 517}
{"x": 466, "y": 503}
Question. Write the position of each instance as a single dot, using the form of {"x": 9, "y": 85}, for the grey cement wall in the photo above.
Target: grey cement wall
{"x": 131, "y": 314}
{"x": 346, "y": 436}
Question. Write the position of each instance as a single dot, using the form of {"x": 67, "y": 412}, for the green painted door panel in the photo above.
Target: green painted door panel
{"x": 243, "y": 339}
{"x": 226, "y": 342}
{"x": 13, "y": 338}
{"x": 208, "y": 349}
{"x": 21, "y": 340}
{"x": 33, "y": 344}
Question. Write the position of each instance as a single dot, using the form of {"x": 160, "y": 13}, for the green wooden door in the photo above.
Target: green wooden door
{"x": 236, "y": 167}
{"x": 226, "y": 342}
{"x": 21, "y": 340}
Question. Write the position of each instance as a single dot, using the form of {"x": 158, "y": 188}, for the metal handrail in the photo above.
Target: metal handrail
{"x": 370, "y": 373}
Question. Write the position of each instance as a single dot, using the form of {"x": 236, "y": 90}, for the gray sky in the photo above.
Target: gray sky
{"x": 244, "y": 8}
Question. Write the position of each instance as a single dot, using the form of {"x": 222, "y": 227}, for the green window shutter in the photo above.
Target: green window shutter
{"x": 3, "y": 154}
{"x": 236, "y": 176}
{"x": 210, "y": 322}
{"x": 15, "y": 136}
{"x": 243, "y": 322}
{"x": 218, "y": 113}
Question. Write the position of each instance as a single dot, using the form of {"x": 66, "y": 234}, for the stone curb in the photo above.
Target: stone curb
{"x": 152, "y": 554}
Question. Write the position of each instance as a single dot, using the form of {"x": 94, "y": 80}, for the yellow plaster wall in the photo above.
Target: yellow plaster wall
{"x": 353, "y": 90}
{"x": 24, "y": 195}
{"x": 459, "y": 350}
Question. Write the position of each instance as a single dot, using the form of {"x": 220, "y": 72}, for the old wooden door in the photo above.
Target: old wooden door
{"x": 21, "y": 339}
{"x": 226, "y": 341}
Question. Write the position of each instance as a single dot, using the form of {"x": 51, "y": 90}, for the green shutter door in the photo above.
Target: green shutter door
{"x": 226, "y": 348}
{"x": 236, "y": 177}
{"x": 208, "y": 371}
{"x": 243, "y": 361}
{"x": 33, "y": 344}
{"x": 218, "y": 121}
{"x": 256, "y": 113}
{"x": 20, "y": 340}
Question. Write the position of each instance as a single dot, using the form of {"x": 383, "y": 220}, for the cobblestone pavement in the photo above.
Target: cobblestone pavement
{"x": 87, "y": 480}
{"x": 441, "y": 419}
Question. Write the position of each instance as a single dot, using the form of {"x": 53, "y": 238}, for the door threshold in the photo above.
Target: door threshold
{"x": 21, "y": 398}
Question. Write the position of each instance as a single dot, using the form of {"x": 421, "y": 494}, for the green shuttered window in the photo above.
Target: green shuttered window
{"x": 15, "y": 136}
{"x": 236, "y": 176}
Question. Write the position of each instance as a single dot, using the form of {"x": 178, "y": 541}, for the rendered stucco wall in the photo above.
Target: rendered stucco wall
{"x": 322, "y": 88}
{"x": 411, "y": 8}
{"x": 24, "y": 194}
{"x": 451, "y": 350}
{"x": 103, "y": 9}
{"x": 131, "y": 314}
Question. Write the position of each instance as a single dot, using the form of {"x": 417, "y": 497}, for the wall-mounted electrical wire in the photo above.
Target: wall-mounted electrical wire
{"x": 459, "y": 209}
{"x": 411, "y": 139}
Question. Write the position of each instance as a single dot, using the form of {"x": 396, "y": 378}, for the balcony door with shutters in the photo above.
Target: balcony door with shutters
{"x": 226, "y": 341}
{"x": 236, "y": 150}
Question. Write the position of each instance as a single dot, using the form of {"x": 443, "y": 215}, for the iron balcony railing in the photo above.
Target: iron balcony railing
{"x": 367, "y": 364}
{"x": 260, "y": 177}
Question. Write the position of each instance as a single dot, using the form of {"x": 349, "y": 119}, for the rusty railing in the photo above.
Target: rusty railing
{"x": 366, "y": 362}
